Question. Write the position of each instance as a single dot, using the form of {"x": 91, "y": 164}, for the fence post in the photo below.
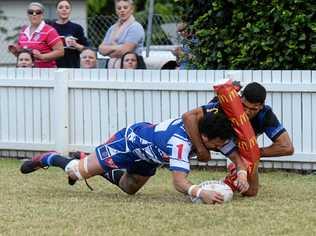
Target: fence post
{"x": 149, "y": 25}
{"x": 61, "y": 114}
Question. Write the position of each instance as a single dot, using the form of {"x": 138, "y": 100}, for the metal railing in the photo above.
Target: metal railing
{"x": 163, "y": 31}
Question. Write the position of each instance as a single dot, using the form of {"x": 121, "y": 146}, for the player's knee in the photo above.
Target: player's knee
{"x": 130, "y": 184}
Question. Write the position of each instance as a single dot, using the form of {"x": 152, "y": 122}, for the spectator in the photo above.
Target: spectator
{"x": 72, "y": 35}
{"x": 25, "y": 59}
{"x": 170, "y": 65}
{"x": 183, "y": 53}
{"x": 88, "y": 58}
{"x": 39, "y": 37}
{"x": 126, "y": 35}
{"x": 131, "y": 60}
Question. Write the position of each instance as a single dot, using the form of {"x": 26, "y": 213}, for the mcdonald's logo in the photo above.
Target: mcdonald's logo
{"x": 242, "y": 145}
{"x": 252, "y": 141}
{"x": 235, "y": 122}
{"x": 243, "y": 118}
{"x": 222, "y": 99}
{"x": 230, "y": 96}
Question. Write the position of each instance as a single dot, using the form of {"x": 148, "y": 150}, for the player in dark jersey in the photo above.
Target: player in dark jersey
{"x": 262, "y": 119}
{"x": 132, "y": 155}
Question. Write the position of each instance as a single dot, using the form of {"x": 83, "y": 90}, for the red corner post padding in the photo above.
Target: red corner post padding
{"x": 246, "y": 139}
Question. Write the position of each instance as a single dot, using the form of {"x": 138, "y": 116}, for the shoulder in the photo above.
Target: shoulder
{"x": 136, "y": 26}
{"x": 49, "y": 29}
{"x": 267, "y": 114}
{"x": 75, "y": 25}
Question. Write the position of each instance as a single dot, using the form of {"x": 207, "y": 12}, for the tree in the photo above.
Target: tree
{"x": 2, "y": 18}
{"x": 237, "y": 34}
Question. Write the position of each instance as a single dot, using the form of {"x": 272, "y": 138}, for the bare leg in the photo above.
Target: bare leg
{"x": 88, "y": 167}
{"x": 131, "y": 183}
{"x": 253, "y": 181}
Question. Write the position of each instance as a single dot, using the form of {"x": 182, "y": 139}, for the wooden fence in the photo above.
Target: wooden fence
{"x": 71, "y": 109}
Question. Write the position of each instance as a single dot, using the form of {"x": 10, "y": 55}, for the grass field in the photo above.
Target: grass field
{"x": 43, "y": 204}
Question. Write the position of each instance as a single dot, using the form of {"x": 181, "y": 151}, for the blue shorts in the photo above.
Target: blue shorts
{"x": 114, "y": 155}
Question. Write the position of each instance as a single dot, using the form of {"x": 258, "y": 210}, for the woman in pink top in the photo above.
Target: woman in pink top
{"x": 39, "y": 37}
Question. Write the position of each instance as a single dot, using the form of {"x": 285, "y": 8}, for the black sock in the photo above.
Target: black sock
{"x": 60, "y": 161}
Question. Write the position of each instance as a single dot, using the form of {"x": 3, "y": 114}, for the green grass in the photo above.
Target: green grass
{"x": 43, "y": 204}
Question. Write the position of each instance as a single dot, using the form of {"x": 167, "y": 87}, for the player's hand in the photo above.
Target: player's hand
{"x": 203, "y": 154}
{"x": 242, "y": 182}
{"x": 211, "y": 197}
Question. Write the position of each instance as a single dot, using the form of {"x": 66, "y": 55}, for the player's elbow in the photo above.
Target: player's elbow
{"x": 290, "y": 149}
{"x": 186, "y": 117}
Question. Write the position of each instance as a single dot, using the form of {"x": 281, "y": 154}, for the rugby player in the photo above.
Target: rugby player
{"x": 263, "y": 120}
{"x": 132, "y": 155}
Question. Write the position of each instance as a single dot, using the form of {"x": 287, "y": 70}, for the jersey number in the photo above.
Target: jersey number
{"x": 180, "y": 149}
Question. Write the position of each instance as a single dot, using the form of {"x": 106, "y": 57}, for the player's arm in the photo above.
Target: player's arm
{"x": 191, "y": 121}
{"x": 281, "y": 146}
{"x": 183, "y": 185}
{"x": 241, "y": 182}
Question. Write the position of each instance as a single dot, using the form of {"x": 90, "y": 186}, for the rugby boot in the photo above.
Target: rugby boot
{"x": 231, "y": 177}
{"x": 35, "y": 163}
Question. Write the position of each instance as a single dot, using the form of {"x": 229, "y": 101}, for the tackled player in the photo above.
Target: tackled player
{"x": 131, "y": 156}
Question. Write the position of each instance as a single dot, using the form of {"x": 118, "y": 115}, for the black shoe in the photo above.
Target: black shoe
{"x": 35, "y": 163}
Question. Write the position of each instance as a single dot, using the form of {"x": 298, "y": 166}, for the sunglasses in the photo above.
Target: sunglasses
{"x": 34, "y": 12}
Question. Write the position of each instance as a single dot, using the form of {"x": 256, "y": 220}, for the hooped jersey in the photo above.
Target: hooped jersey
{"x": 264, "y": 122}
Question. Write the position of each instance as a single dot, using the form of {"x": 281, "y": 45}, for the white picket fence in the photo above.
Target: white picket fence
{"x": 76, "y": 109}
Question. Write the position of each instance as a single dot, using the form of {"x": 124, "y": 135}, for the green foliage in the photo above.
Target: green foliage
{"x": 95, "y": 7}
{"x": 2, "y": 18}
{"x": 237, "y": 34}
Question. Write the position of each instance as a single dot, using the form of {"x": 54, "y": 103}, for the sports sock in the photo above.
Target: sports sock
{"x": 54, "y": 159}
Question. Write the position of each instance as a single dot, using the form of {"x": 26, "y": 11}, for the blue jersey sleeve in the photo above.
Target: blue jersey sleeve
{"x": 267, "y": 122}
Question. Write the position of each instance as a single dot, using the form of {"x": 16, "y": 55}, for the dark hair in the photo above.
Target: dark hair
{"x": 63, "y": 1}
{"x": 24, "y": 50}
{"x": 216, "y": 125}
{"x": 140, "y": 61}
{"x": 90, "y": 49}
{"x": 170, "y": 65}
{"x": 254, "y": 93}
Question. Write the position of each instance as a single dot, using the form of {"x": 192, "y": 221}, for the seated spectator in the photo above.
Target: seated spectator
{"x": 88, "y": 58}
{"x": 170, "y": 65}
{"x": 126, "y": 35}
{"x": 72, "y": 35}
{"x": 131, "y": 60}
{"x": 25, "y": 59}
{"x": 39, "y": 37}
{"x": 183, "y": 53}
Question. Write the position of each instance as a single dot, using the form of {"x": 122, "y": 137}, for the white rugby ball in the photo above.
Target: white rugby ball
{"x": 216, "y": 186}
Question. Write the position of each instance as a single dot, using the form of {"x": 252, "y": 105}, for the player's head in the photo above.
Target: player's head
{"x": 253, "y": 98}
{"x": 215, "y": 130}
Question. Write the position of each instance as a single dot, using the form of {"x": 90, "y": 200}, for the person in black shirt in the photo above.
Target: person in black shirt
{"x": 263, "y": 120}
{"x": 72, "y": 35}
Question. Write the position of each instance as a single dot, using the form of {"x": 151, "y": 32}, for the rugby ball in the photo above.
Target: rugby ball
{"x": 216, "y": 186}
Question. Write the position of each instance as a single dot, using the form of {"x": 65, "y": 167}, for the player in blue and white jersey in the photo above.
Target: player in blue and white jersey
{"x": 262, "y": 119}
{"x": 131, "y": 156}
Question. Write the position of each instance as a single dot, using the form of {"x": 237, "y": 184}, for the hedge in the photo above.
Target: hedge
{"x": 251, "y": 34}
